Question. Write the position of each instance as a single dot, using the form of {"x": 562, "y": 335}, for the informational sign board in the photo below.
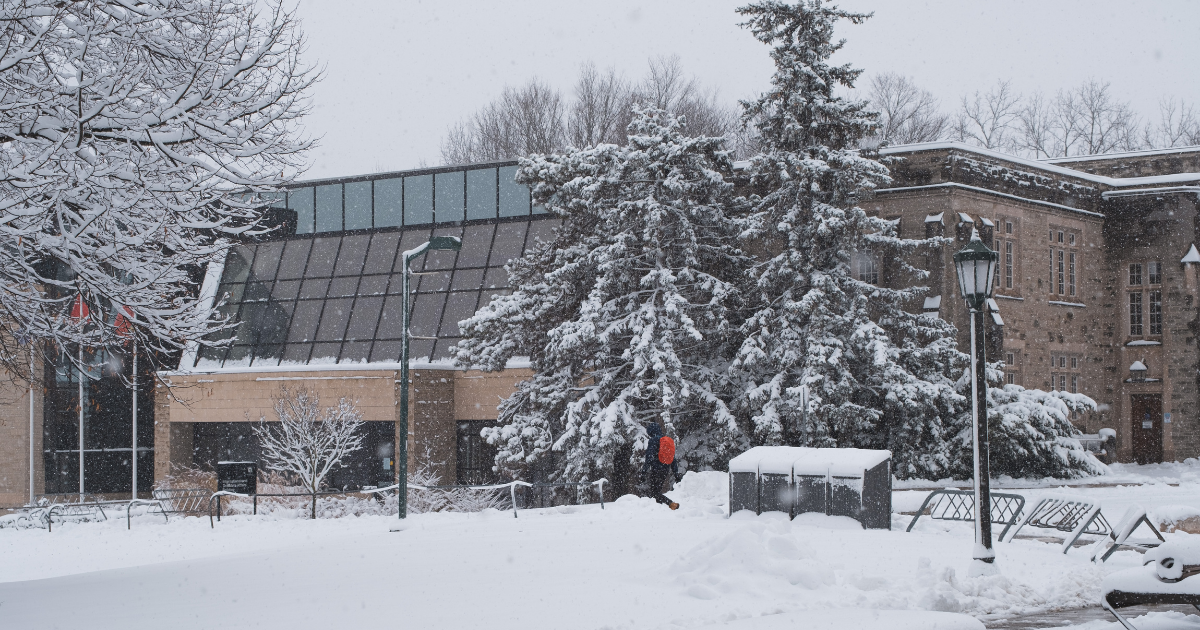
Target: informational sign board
{"x": 240, "y": 477}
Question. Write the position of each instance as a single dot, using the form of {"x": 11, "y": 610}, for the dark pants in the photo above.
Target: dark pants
{"x": 655, "y": 481}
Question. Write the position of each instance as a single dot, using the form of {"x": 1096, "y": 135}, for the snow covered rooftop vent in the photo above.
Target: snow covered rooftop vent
{"x": 933, "y": 303}
{"x": 1192, "y": 255}
{"x": 963, "y": 217}
{"x": 1137, "y": 366}
{"x": 987, "y": 222}
{"x": 934, "y": 218}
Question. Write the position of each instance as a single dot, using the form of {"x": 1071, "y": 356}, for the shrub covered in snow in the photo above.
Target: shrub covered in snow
{"x": 1030, "y": 433}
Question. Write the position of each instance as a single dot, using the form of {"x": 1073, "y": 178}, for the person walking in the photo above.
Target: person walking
{"x": 660, "y": 459}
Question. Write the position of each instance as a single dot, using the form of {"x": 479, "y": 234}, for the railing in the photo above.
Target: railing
{"x": 512, "y": 488}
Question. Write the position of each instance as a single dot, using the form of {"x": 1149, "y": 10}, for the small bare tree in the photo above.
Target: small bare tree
{"x": 308, "y": 442}
{"x": 908, "y": 113}
{"x": 987, "y": 119}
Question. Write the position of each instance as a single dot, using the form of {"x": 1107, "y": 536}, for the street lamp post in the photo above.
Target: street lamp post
{"x": 976, "y": 269}
{"x": 438, "y": 242}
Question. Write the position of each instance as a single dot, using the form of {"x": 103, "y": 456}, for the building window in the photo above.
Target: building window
{"x": 865, "y": 268}
{"x": 1009, "y": 358}
{"x": 1074, "y": 384}
{"x": 1155, "y": 312}
{"x": 1071, "y": 273}
{"x": 1010, "y": 378}
{"x": 1008, "y": 227}
{"x": 475, "y": 456}
{"x": 1060, "y": 236}
{"x": 1061, "y": 275}
{"x": 1071, "y": 239}
{"x": 1135, "y": 314}
{"x": 1154, "y": 273}
{"x": 1074, "y": 363}
{"x": 1062, "y": 382}
{"x": 1135, "y": 274}
{"x": 1008, "y": 263}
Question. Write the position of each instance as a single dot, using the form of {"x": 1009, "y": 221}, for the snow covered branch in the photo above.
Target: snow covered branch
{"x": 136, "y": 138}
{"x": 308, "y": 441}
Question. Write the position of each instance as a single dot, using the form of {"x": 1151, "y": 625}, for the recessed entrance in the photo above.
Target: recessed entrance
{"x": 1146, "y": 421}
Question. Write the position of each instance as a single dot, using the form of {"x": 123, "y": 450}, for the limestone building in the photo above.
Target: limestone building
{"x": 1095, "y": 293}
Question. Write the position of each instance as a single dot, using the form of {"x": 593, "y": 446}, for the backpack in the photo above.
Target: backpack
{"x": 666, "y": 451}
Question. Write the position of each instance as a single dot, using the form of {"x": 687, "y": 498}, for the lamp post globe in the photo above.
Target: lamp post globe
{"x": 976, "y": 266}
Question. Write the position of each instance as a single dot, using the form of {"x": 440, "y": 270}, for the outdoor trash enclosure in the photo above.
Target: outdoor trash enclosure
{"x": 836, "y": 481}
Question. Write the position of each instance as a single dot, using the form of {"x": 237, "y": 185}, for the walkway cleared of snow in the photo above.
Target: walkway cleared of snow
{"x": 634, "y": 564}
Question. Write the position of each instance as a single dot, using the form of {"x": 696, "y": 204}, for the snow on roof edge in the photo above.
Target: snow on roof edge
{"x": 414, "y": 364}
{"x": 1192, "y": 255}
{"x": 1192, "y": 148}
{"x": 1061, "y": 170}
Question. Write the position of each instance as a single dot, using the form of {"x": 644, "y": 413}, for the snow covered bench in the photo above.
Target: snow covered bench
{"x": 1168, "y": 576}
{"x": 794, "y": 480}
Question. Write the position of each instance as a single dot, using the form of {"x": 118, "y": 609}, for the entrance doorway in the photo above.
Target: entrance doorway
{"x": 1147, "y": 428}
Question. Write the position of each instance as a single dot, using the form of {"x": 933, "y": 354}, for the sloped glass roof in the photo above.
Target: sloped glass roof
{"x": 335, "y": 296}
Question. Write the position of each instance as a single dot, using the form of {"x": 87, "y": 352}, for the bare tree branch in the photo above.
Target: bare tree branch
{"x": 908, "y": 113}
{"x": 308, "y": 442}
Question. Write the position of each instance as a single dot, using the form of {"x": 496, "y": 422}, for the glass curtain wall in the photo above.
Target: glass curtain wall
{"x": 337, "y": 298}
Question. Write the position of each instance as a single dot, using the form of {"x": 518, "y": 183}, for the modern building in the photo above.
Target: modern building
{"x": 1104, "y": 305}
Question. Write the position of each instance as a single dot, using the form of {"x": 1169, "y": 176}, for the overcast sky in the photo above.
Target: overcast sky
{"x": 399, "y": 72}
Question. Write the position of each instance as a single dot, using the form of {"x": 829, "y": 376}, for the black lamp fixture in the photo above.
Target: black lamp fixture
{"x": 976, "y": 272}
{"x": 976, "y": 266}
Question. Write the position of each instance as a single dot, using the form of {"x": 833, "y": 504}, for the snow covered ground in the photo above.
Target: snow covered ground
{"x": 634, "y": 564}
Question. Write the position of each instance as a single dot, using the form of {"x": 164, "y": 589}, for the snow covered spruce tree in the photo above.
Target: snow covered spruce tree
{"x": 879, "y": 376}
{"x": 130, "y": 132}
{"x": 1029, "y": 432}
{"x": 626, "y": 316}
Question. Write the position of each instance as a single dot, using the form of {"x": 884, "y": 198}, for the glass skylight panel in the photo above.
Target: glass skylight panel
{"x": 450, "y": 191}
{"x": 382, "y": 253}
{"x": 343, "y": 287}
{"x": 476, "y": 243}
{"x": 300, "y": 201}
{"x": 510, "y": 240}
{"x": 324, "y": 254}
{"x": 329, "y": 208}
{"x": 481, "y": 193}
{"x": 418, "y": 200}
{"x": 266, "y": 260}
{"x": 514, "y": 197}
{"x": 358, "y": 206}
{"x": 295, "y": 258}
{"x": 388, "y": 202}
{"x": 353, "y": 252}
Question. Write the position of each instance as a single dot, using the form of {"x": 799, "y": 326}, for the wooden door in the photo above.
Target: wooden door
{"x": 1147, "y": 428}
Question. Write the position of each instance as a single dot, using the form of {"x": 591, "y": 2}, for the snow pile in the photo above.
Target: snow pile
{"x": 825, "y": 566}
{"x": 1170, "y": 518}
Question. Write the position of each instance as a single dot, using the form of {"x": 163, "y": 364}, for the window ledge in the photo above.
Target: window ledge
{"x": 1144, "y": 342}
{"x": 1008, "y": 297}
{"x": 1061, "y": 303}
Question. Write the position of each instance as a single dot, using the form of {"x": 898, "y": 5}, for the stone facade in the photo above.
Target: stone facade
{"x": 1091, "y": 276}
